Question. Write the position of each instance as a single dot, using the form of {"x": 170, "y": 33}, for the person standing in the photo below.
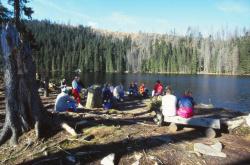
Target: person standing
{"x": 76, "y": 89}
{"x": 169, "y": 102}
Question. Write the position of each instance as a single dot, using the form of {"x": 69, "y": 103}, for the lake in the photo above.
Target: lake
{"x": 231, "y": 92}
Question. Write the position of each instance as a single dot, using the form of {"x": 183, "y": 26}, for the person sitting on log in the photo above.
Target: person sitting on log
{"x": 107, "y": 97}
{"x": 158, "y": 89}
{"x": 169, "y": 102}
{"x": 143, "y": 91}
{"x": 186, "y": 105}
{"x": 111, "y": 88}
{"x": 133, "y": 89}
{"x": 118, "y": 92}
{"x": 76, "y": 89}
{"x": 64, "y": 102}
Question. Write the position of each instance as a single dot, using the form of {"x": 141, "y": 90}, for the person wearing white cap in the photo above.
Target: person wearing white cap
{"x": 64, "y": 102}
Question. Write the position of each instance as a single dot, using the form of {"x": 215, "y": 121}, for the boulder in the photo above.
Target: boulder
{"x": 211, "y": 150}
{"x": 248, "y": 120}
{"x": 108, "y": 160}
{"x": 236, "y": 122}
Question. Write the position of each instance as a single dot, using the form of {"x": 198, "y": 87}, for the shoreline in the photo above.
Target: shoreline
{"x": 173, "y": 73}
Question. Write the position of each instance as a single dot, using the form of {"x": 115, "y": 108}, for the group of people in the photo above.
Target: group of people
{"x": 183, "y": 107}
{"x": 111, "y": 94}
{"x": 136, "y": 91}
{"x": 171, "y": 106}
{"x": 64, "y": 102}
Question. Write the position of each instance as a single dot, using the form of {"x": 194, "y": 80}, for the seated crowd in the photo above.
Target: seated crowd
{"x": 171, "y": 106}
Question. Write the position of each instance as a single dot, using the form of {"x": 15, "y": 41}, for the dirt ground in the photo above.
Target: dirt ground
{"x": 127, "y": 131}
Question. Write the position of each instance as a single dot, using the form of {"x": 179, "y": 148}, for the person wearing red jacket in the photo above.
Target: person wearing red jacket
{"x": 158, "y": 89}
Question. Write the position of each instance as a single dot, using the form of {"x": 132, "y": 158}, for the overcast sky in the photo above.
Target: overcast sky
{"x": 158, "y": 16}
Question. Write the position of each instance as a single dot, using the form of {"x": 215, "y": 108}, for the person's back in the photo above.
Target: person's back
{"x": 169, "y": 102}
{"x": 158, "y": 89}
{"x": 106, "y": 93}
{"x": 64, "y": 102}
{"x": 186, "y": 105}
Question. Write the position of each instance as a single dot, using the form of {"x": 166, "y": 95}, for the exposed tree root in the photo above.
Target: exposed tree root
{"x": 5, "y": 134}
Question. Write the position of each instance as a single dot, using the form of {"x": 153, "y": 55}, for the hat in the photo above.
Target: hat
{"x": 65, "y": 90}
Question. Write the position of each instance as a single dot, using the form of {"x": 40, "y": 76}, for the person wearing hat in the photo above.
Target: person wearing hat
{"x": 169, "y": 102}
{"x": 76, "y": 89}
{"x": 64, "y": 102}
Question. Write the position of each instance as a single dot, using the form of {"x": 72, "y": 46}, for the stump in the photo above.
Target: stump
{"x": 94, "y": 98}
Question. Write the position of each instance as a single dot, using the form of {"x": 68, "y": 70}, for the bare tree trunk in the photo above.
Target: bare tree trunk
{"x": 24, "y": 109}
{"x": 46, "y": 86}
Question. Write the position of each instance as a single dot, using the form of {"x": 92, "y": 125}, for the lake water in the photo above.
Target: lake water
{"x": 231, "y": 92}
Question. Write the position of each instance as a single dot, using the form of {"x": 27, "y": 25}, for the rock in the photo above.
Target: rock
{"x": 248, "y": 120}
{"x": 217, "y": 146}
{"x": 213, "y": 150}
{"x": 108, "y": 160}
{"x": 236, "y": 122}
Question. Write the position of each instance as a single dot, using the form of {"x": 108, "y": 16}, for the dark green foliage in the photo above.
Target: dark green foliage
{"x": 244, "y": 59}
{"x": 4, "y": 13}
{"x": 65, "y": 48}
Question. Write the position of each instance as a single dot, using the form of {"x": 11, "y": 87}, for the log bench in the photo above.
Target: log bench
{"x": 211, "y": 124}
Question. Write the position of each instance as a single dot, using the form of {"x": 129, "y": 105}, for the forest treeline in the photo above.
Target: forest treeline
{"x": 65, "y": 48}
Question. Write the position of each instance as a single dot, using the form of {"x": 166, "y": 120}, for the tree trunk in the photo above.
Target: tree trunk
{"x": 46, "y": 86}
{"x": 94, "y": 99}
{"x": 24, "y": 109}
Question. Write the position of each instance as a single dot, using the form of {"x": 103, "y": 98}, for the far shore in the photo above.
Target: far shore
{"x": 174, "y": 73}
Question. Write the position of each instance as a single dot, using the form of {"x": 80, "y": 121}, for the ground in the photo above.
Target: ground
{"x": 129, "y": 132}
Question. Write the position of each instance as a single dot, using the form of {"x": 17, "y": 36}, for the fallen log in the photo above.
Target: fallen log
{"x": 194, "y": 121}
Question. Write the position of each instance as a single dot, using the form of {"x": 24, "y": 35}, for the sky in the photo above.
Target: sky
{"x": 153, "y": 16}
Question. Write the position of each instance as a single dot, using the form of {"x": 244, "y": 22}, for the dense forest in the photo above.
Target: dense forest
{"x": 65, "y": 48}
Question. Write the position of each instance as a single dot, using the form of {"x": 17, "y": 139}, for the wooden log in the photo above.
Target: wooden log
{"x": 195, "y": 121}
{"x": 210, "y": 133}
{"x": 69, "y": 129}
{"x": 94, "y": 98}
{"x": 173, "y": 127}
